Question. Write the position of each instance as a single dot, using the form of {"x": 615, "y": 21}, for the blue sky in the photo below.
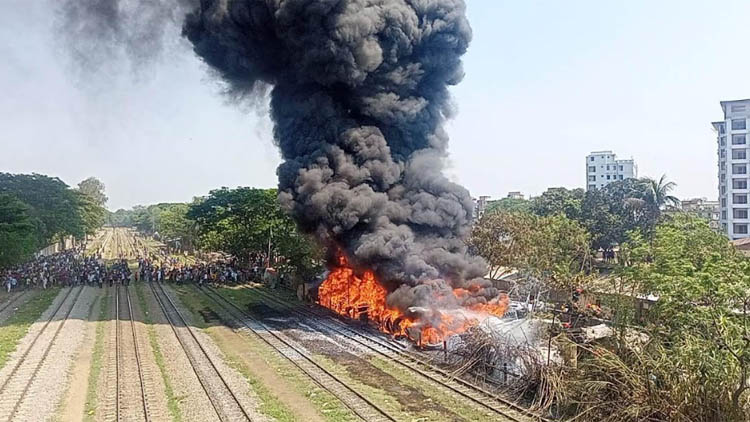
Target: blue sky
{"x": 546, "y": 83}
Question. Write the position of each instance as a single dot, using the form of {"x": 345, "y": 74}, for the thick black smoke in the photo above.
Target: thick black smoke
{"x": 359, "y": 98}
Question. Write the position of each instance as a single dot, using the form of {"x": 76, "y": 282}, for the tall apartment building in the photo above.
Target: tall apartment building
{"x": 731, "y": 141}
{"x": 603, "y": 168}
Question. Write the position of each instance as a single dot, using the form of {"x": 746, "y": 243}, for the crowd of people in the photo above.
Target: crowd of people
{"x": 170, "y": 269}
{"x": 73, "y": 267}
{"x": 67, "y": 268}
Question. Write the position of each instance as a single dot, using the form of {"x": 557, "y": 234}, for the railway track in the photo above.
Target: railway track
{"x": 356, "y": 402}
{"x": 131, "y": 397}
{"x": 394, "y": 352}
{"x": 15, "y": 385}
{"x": 225, "y": 403}
{"x": 13, "y": 299}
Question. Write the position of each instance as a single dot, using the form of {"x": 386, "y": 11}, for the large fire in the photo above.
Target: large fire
{"x": 363, "y": 297}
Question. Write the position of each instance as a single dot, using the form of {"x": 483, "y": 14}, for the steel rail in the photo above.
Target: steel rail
{"x": 44, "y": 355}
{"x": 394, "y": 353}
{"x": 259, "y": 329}
{"x": 191, "y": 358}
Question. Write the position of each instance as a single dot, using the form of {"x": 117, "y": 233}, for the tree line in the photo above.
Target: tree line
{"x": 37, "y": 211}
{"x": 247, "y": 223}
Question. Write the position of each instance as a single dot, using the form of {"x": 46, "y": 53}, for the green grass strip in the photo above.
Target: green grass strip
{"x": 16, "y": 327}
{"x": 172, "y": 401}
{"x": 96, "y": 358}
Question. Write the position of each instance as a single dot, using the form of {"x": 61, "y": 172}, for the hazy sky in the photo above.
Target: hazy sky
{"x": 546, "y": 83}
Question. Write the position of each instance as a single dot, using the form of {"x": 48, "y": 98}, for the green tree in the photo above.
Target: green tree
{"x": 658, "y": 192}
{"x": 17, "y": 231}
{"x": 554, "y": 249}
{"x": 250, "y": 224}
{"x": 52, "y": 205}
{"x": 174, "y": 224}
{"x": 691, "y": 359}
{"x": 559, "y": 201}
{"x": 94, "y": 188}
{"x": 509, "y": 204}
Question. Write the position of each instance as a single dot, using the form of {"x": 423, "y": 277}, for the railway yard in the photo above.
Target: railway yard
{"x": 152, "y": 351}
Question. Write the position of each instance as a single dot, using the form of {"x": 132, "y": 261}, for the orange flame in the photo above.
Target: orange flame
{"x": 363, "y": 297}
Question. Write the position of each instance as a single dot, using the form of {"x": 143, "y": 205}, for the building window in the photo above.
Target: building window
{"x": 739, "y": 124}
{"x": 724, "y": 215}
{"x": 739, "y": 213}
{"x": 607, "y": 177}
{"x": 738, "y": 154}
{"x": 592, "y": 178}
{"x": 723, "y": 140}
{"x": 739, "y": 184}
{"x": 620, "y": 168}
{"x": 739, "y": 199}
{"x": 592, "y": 169}
{"x": 723, "y": 153}
{"x": 738, "y": 139}
{"x": 620, "y": 177}
{"x": 740, "y": 229}
{"x": 739, "y": 169}
{"x": 738, "y": 108}
{"x": 723, "y": 190}
{"x": 592, "y": 159}
{"x": 724, "y": 203}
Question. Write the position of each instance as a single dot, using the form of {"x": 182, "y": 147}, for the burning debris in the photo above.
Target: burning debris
{"x": 359, "y": 95}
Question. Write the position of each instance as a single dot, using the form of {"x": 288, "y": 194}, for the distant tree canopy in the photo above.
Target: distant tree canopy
{"x": 611, "y": 212}
{"x": 245, "y": 222}
{"x": 50, "y": 207}
{"x": 554, "y": 248}
{"x": 17, "y": 231}
{"x": 509, "y": 204}
{"x": 94, "y": 188}
{"x": 250, "y": 224}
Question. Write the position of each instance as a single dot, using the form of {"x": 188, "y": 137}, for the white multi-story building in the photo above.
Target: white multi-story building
{"x": 603, "y": 168}
{"x": 703, "y": 208}
{"x": 731, "y": 141}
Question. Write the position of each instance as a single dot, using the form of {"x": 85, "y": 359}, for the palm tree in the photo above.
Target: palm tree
{"x": 658, "y": 192}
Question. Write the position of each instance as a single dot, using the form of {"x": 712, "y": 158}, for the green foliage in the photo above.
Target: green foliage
{"x": 553, "y": 248}
{"x": 49, "y": 207}
{"x": 246, "y": 221}
{"x": 94, "y": 188}
{"x": 172, "y": 223}
{"x": 559, "y": 201}
{"x": 509, "y": 204}
{"x": 693, "y": 361}
{"x": 17, "y": 231}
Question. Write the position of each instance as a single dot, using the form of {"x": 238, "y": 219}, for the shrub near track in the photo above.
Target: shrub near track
{"x": 16, "y": 327}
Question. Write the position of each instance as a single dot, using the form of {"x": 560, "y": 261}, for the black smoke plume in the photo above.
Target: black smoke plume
{"x": 359, "y": 96}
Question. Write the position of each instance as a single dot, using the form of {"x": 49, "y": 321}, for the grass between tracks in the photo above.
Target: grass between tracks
{"x": 172, "y": 400}
{"x": 16, "y": 327}
{"x": 96, "y": 357}
{"x": 329, "y": 406}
